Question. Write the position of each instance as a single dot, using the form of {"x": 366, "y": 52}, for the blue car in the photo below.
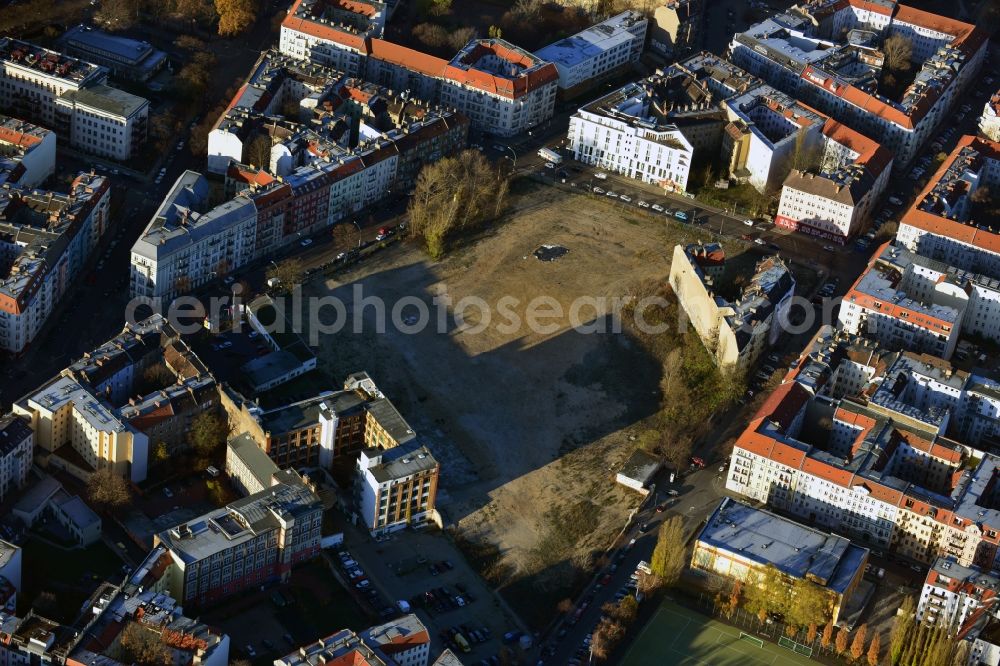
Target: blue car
{"x": 681, "y": 215}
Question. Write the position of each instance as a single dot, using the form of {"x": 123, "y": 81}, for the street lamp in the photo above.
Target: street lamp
{"x": 514, "y": 159}
{"x": 355, "y": 223}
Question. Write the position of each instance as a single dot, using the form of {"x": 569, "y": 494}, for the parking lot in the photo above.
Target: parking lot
{"x": 427, "y": 572}
{"x": 264, "y": 624}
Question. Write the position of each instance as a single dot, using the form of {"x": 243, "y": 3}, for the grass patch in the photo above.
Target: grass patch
{"x": 742, "y": 199}
{"x": 677, "y": 635}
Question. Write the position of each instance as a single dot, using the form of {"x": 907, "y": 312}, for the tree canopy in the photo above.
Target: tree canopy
{"x": 108, "y": 490}
{"x": 453, "y": 195}
{"x": 668, "y": 558}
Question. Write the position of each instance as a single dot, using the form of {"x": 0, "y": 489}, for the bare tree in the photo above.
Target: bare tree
{"x": 109, "y": 490}
{"x": 141, "y": 645}
{"x": 453, "y": 195}
{"x": 898, "y": 52}
{"x": 607, "y": 634}
{"x": 459, "y": 38}
{"x": 287, "y": 274}
{"x": 118, "y": 14}
{"x": 258, "y": 152}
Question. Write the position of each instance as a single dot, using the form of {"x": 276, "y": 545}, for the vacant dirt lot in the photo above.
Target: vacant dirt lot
{"x": 528, "y": 425}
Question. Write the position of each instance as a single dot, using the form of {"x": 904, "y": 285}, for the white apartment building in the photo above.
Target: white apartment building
{"x": 71, "y": 97}
{"x": 621, "y": 132}
{"x": 182, "y": 248}
{"x": 32, "y": 79}
{"x": 904, "y": 301}
{"x": 335, "y": 34}
{"x": 590, "y": 54}
{"x": 803, "y": 53}
{"x": 989, "y": 122}
{"x": 28, "y": 152}
{"x": 396, "y": 487}
{"x": 248, "y": 467}
{"x": 834, "y": 200}
{"x": 45, "y": 239}
{"x": 104, "y": 121}
{"x": 952, "y": 594}
{"x": 941, "y": 223}
{"x": 779, "y": 126}
{"x": 501, "y": 88}
{"x": 16, "y": 451}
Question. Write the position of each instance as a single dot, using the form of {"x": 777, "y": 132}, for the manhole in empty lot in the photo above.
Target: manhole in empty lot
{"x": 550, "y": 252}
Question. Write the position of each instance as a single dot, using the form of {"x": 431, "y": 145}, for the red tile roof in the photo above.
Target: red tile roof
{"x": 783, "y": 404}
{"x": 404, "y": 642}
{"x": 870, "y": 153}
{"x": 942, "y": 226}
{"x": 875, "y": 7}
{"x": 22, "y": 139}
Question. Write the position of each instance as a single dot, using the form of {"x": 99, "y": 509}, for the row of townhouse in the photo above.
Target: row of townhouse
{"x": 91, "y": 416}
{"x": 404, "y": 641}
{"x": 871, "y": 445}
{"x": 501, "y": 88}
{"x": 97, "y": 635}
{"x": 907, "y": 301}
{"x": 944, "y": 224}
{"x": 45, "y": 240}
{"x": 828, "y": 55}
{"x": 834, "y": 199}
{"x": 369, "y": 143}
{"x": 71, "y": 97}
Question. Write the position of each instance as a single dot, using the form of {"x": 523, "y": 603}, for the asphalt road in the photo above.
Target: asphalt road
{"x": 698, "y": 494}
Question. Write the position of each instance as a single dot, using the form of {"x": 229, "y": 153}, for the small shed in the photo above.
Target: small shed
{"x": 638, "y": 471}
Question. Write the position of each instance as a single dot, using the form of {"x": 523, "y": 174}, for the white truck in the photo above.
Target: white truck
{"x": 550, "y": 155}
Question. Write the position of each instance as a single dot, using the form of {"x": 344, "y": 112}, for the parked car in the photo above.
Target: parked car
{"x": 657, "y": 207}
{"x": 626, "y": 198}
{"x": 748, "y": 222}
{"x": 305, "y": 242}
{"x": 598, "y": 190}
